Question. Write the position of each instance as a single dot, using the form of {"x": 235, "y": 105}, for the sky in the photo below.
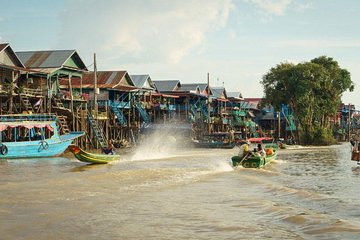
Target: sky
{"x": 235, "y": 41}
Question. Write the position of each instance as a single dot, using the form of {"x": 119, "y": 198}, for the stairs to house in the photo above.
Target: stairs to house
{"x": 144, "y": 115}
{"x": 119, "y": 115}
{"x": 26, "y": 102}
{"x": 204, "y": 110}
{"x": 57, "y": 102}
{"x": 97, "y": 130}
{"x": 64, "y": 128}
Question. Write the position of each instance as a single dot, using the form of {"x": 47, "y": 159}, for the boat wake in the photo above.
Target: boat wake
{"x": 157, "y": 145}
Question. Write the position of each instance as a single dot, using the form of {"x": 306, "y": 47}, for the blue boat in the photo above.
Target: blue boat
{"x": 32, "y": 136}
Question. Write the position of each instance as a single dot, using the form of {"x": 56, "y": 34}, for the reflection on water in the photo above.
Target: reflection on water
{"x": 356, "y": 170}
{"x": 184, "y": 194}
{"x": 86, "y": 167}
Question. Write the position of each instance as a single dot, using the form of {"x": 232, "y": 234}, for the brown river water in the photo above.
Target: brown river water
{"x": 162, "y": 192}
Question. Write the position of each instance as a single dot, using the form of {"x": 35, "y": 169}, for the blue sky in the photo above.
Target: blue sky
{"x": 236, "y": 41}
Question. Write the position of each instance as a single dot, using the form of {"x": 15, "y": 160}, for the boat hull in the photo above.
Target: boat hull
{"x": 355, "y": 156}
{"x": 38, "y": 149}
{"x": 230, "y": 145}
{"x": 92, "y": 158}
{"x": 253, "y": 161}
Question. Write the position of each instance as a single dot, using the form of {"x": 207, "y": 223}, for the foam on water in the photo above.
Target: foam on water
{"x": 279, "y": 161}
{"x": 222, "y": 166}
{"x": 156, "y": 146}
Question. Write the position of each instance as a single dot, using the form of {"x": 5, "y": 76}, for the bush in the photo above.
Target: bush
{"x": 318, "y": 136}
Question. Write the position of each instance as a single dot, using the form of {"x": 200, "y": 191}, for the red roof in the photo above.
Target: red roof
{"x": 105, "y": 79}
{"x": 164, "y": 95}
{"x": 254, "y": 100}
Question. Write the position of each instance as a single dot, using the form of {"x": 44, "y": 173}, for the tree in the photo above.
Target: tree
{"x": 313, "y": 92}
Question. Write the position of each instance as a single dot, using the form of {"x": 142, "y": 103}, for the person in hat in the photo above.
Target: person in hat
{"x": 244, "y": 150}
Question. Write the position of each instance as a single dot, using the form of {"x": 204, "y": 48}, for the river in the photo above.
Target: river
{"x": 179, "y": 193}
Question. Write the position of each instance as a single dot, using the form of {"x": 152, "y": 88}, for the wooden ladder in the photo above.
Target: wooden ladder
{"x": 64, "y": 128}
{"x": 26, "y": 102}
{"x": 58, "y": 102}
{"x": 97, "y": 130}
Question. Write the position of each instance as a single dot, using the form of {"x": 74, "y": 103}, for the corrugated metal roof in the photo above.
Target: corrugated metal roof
{"x": 105, "y": 79}
{"x": 139, "y": 80}
{"x": 189, "y": 87}
{"x": 49, "y": 59}
{"x": 17, "y": 61}
{"x": 143, "y": 82}
{"x": 256, "y": 100}
{"x": 202, "y": 86}
{"x": 64, "y": 84}
{"x": 3, "y": 46}
{"x": 248, "y": 105}
{"x": 45, "y": 70}
{"x": 218, "y": 92}
{"x": 166, "y": 85}
{"x": 234, "y": 95}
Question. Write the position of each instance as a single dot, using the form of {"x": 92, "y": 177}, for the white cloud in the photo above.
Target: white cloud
{"x": 141, "y": 31}
{"x": 273, "y": 7}
{"x": 320, "y": 43}
{"x": 301, "y": 7}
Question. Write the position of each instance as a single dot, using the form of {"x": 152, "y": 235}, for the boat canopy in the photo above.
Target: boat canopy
{"x": 4, "y": 126}
{"x": 260, "y": 139}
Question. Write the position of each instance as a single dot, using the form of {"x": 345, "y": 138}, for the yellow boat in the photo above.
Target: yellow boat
{"x": 93, "y": 158}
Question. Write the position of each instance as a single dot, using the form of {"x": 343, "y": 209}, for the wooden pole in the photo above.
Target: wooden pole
{"x": 11, "y": 92}
{"x": 95, "y": 88}
{"x": 107, "y": 125}
{"x": 81, "y": 90}
{"x": 71, "y": 102}
{"x": 48, "y": 83}
{"x": 278, "y": 113}
{"x": 349, "y": 123}
{"x": 208, "y": 102}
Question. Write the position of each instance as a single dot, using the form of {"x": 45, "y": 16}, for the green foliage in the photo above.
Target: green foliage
{"x": 312, "y": 90}
{"x": 318, "y": 136}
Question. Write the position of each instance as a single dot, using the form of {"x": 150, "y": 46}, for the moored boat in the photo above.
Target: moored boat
{"x": 254, "y": 160}
{"x": 355, "y": 154}
{"x": 215, "y": 140}
{"x": 213, "y": 144}
{"x": 32, "y": 136}
{"x": 93, "y": 158}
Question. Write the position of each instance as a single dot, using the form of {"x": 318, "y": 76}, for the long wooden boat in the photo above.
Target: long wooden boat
{"x": 215, "y": 140}
{"x": 213, "y": 144}
{"x": 255, "y": 160}
{"x": 32, "y": 136}
{"x": 93, "y": 158}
